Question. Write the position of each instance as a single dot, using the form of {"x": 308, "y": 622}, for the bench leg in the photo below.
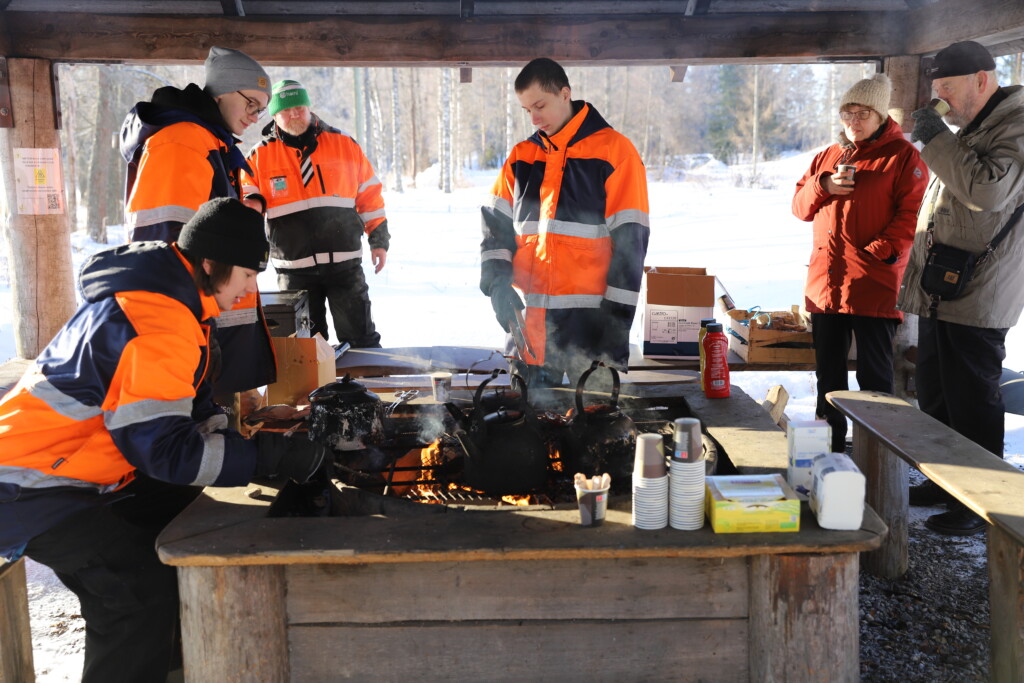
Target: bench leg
{"x": 1006, "y": 605}
{"x": 803, "y": 618}
{"x": 888, "y": 480}
{"x": 15, "y": 633}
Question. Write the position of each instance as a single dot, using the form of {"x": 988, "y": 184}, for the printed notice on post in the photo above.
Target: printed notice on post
{"x": 38, "y": 184}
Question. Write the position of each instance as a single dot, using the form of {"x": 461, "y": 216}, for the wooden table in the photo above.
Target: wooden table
{"x": 414, "y": 360}
{"x": 517, "y": 593}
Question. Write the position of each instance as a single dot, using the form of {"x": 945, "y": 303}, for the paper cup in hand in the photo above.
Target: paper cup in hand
{"x": 593, "y": 506}
{"x": 441, "y": 384}
{"x": 650, "y": 456}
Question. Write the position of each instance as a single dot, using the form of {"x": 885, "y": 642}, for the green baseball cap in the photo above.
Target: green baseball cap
{"x": 287, "y": 94}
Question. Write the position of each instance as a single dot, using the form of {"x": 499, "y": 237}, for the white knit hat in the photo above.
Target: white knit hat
{"x": 871, "y": 92}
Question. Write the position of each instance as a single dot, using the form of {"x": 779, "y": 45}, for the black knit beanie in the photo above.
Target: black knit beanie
{"x": 227, "y": 231}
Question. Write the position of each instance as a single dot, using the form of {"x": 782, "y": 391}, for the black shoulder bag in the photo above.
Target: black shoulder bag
{"x": 947, "y": 270}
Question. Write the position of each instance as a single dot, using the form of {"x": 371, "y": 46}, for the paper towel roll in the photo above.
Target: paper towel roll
{"x": 837, "y": 492}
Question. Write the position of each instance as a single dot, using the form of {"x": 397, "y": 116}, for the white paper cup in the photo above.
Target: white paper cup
{"x": 593, "y": 506}
{"x": 441, "y": 385}
{"x": 650, "y": 456}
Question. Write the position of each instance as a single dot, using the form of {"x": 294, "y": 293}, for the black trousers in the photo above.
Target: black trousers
{"x": 129, "y": 600}
{"x": 345, "y": 290}
{"x": 832, "y": 334}
{"x": 958, "y": 372}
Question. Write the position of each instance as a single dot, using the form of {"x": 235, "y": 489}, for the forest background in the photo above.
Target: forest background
{"x": 408, "y": 119}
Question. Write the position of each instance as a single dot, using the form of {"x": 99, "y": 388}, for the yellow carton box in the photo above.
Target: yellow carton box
{"x": 751, "y": 502}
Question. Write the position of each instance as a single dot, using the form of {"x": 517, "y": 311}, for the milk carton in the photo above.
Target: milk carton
{"x": 807, "y": 439}
{"x": 837, "y": 492}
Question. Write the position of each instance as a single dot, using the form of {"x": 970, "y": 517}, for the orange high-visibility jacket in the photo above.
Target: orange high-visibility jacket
{"x": 316, "y": 217}
{"x": 568, "y": 223}
{"x": 122, "y": 387}
{"x": 179, "y": 155}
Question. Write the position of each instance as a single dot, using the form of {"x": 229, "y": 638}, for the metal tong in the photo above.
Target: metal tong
{"x": 400, "y": 398}
{"x": 517, "y": 326}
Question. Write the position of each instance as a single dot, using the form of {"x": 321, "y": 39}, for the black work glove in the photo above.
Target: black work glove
{"x": 505, "y": 301}
{"x": 292, "y": 456}
{"x": 927, "y": 124}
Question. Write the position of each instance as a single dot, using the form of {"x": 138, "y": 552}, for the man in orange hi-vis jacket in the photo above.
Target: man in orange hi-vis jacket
{"x": 567, "y": 226}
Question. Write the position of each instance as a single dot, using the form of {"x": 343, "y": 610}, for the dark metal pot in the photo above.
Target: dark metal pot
{"x": 601, "y": 437}
{"x": 346, "y": 416}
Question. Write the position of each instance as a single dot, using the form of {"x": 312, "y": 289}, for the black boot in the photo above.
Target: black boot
{"x": 929, "y": 494}
{"x": 959, "y": 521}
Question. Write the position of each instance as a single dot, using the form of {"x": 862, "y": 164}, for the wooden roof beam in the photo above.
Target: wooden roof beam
{"x": 938, "y": 24}
{"x": 480, "y": 41}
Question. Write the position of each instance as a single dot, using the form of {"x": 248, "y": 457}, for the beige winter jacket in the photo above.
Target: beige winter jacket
{"x": 977, "y": 182}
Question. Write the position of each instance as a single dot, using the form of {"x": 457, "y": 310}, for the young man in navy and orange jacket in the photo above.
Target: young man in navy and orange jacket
{"x": 113, "y": 431}
{"x": 567, "y": 226}
{"x": 322, "y": 194}
{"x": 182, "y": 150}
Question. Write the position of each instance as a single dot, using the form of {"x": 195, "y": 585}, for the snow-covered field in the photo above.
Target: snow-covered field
{"x": 427, "y": 294}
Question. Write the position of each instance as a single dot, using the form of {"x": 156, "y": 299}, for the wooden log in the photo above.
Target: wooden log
{"x": 15, "y": 633}
{"x": 233, "y": 624}
{"x": 551, "y": 650}
{"x": 1006, "y": 607}
{"x": 803, "y": 618}
{"x": 775, "y": 403}
{"x": 652, "y": 588}
{"x": 905, "y": 74}
{"x": 579, "y": 39}
{"x": 40, "y": 245}
{"x": 888, "y": 479}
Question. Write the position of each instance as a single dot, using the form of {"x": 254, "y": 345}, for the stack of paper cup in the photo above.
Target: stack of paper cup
{"x": 650, "y": 484}
{"x": 686, "y": 477}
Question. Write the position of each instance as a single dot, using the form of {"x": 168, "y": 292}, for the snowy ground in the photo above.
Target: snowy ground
{"x": 427, "y": 294}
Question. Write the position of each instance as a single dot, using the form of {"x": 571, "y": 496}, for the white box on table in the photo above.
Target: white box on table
{"x": 807, "y": 439}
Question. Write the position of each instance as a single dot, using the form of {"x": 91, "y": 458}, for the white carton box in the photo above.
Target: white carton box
{"x": 807, "y": 439}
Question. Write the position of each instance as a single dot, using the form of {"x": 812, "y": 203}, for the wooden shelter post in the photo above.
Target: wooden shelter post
{"x": 36, "y": 222}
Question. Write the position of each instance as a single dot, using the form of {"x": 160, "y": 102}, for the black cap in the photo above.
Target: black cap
{"x": 960, "y": 59}
{"x": 227, "y": 231}
{"x": 714, "y": 327}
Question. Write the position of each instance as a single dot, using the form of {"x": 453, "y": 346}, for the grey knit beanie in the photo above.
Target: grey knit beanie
{"x": 871, "y": 92}
{"x": 227, "y": 231}
{"x": 229, "y": 70}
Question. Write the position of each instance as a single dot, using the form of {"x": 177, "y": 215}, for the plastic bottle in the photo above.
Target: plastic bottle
{"x": 716, "y": 362}
{"x": 704, "y": 322}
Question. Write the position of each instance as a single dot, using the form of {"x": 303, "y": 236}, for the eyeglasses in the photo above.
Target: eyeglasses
{"x": 863, "y": 115}
{"x": 252, "y": 106}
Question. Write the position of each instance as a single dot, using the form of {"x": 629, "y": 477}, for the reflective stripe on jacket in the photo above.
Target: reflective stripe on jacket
{"x": 120, "y": 388}
{"x": 861, "y": 240}
{"x": 320, "y": 221}
{"x": 568, "y": 223}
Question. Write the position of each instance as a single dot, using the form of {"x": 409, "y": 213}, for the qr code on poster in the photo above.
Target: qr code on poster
{"x": 52, "y": 202}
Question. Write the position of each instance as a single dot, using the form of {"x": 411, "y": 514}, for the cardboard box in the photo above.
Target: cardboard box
{"x": 807, "y": 440}
{"x": 303, "y": 364}
{"x": 674, "y": 301}
{"x": 747, "y": 503}
{"x": 756, "y": 344}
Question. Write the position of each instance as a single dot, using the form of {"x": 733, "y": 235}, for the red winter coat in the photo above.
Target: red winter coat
{"x": 862, "y": 240}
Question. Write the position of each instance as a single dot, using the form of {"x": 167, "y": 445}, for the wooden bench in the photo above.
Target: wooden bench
{"x": 889, "y": 434}
{"x": 15, "y": 635}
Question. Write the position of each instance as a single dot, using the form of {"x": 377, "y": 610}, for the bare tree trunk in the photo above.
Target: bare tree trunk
{"x": 396, "y": 132}
{"x": 509, "y": 111}
{"x": 69, "y": 107}
{"x": 357, "y": 105}
{"x": 755, "y": 115}
{"x": 102, "y": 162}
{"x": 445, "y": 130}
{"x": 414, "y": 144}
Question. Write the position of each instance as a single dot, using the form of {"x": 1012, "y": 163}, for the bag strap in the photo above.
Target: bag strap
{"x": 990, "y": 247}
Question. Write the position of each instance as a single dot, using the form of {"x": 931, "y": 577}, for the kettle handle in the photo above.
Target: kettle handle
{"x": 616, "y": 385}
{"x": 480, "y": 389}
